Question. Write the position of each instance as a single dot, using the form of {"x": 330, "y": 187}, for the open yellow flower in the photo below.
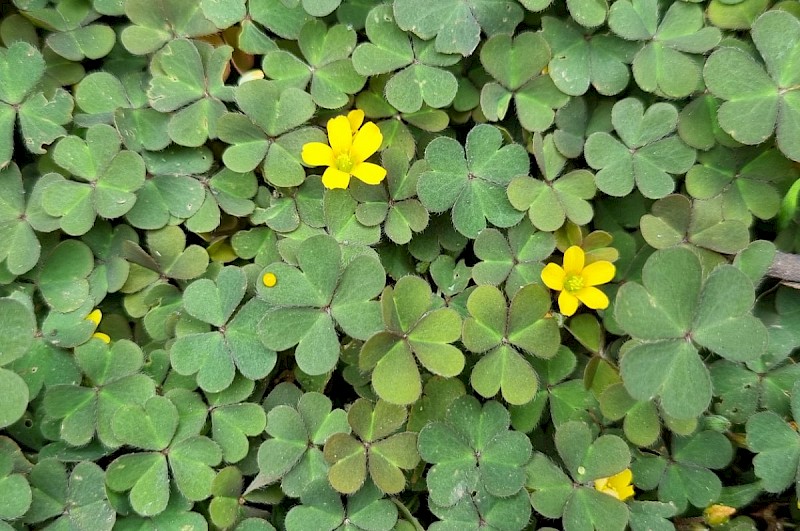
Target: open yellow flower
{"x": 351, "y": 144}
{"x": 618, "y": 485}
{"x": 576, "y": 281}
{"x": 95, "y": 316}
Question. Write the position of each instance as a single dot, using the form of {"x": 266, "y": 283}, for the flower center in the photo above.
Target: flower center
{"x": 573, "y": 283}
{"x": 344, "y": 163}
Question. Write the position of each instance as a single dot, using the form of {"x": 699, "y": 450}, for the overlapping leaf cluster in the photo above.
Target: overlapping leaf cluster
{"x": 404, "y": 367}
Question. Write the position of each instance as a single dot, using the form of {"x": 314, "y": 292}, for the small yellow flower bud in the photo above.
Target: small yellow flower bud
{"x": 715, "y": 515}
{"x": 269, "y": 280}
{"x": 102, "y": 337}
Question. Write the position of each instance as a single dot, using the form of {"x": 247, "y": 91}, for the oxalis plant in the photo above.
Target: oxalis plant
{"x": 378, "y": 265}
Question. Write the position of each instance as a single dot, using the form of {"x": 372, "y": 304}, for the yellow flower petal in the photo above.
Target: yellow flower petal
{"x": 366, "y": 142}
{"x": 597, "y": 273}
{"x": 369, "y": 173}
{"x": 593, "y": 298}
{"x": 621, "y": 480}
{"x": 269, "y": 280}
{"x": 573, "y": 260}
{"x": 339, "y": 135}
{"x": 567, "y": 303}
{"x": 553, "y": 276}
{"x": 356, "y": 118}
{"x": 333, "y": 178}
{"x": 625, "y": 493}
{"x": 102, "y": 337}
{"x": 317, "y": 154}
{"x": 95, "y": 316}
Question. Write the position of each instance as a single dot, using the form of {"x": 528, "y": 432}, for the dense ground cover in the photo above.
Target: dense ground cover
{"x": 401, "y": 264}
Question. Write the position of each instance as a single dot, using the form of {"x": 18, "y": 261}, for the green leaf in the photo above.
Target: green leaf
{"x": 153, "y": 26}
{"x": 15, "y": 397}
{"x": 282, "y": 18}
{"x": 16, "y": 495}
{"x": 298, "y": 302}
{"x": 414, "y": 328}
{"x": 389, "y": 48}
{"x": 457, "y": 24}
{"x": 18, "y": 326}
{"x": 600, "y": 61}
{"x": 647, "y": 155}
{"x": 747, "y": 183}
{"x": 88, "y": 42}
{"x": 150, "y": 426}
{"x": 224, "y": 13}
{"x": 758, "y": 102}
{"x": 63, "y": 280}
{"x": 588, "y": 459}
{"x": 21, "y": 68}
{"x": 452, "y": 445}
{"x": 777, "y": 447}
{"x": 549, "y": 486}
{"x": 41, "y": 119}
{"x": 215, "y": 302}
{"x": 146, "y": 476}
{"x": 191, "y": 461}
{"x": 268, "y": 106}
{"x": 232, "y": 424}
{"x": 675, "y": 219}
{"x": 514, "y": 62}
{"x": 588, "y": 508}
{"x": 472, "y": 184}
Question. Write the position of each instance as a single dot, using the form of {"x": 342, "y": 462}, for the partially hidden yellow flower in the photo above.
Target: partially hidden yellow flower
{"x": 717, "y": 514}
{"x": 351, "y": 144}
{"x": 576, "y": 281}
{"x": 95, "y": 316}
{"x": 618, "y": 485}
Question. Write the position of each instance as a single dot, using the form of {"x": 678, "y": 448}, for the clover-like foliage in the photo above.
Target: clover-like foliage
{"x": 684, "y": 476}
{"x": 518, "y": 66}
{"x": 496, "y": 332}
{"x": 235, "y": 343}
{"x": 457, "y": 24}
{"x": 292, "y": 452}
{"x": 422, "y": 78}
{"x": 777, "y": 446}
{"x": 472, "y": 184}
{"x": 417, "y": 331}
{"x": 218, "y": 312}
{"x": 473, "y": 450}
{"x": 555, "y": 494}
{"x": 303, "y": 306}
{"x": 154, "y": 427}
{"x": 646, "y": 153}
{"x": 378, "y": 451}
{"x": 760, "y": 101}
{"x": 670, "y": 323}
{"x": 41, "y": 118}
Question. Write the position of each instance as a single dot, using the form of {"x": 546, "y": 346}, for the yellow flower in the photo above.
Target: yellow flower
{"x": 96, "y": 316}
{"x": 716, "y": 514}
{"x": 269, "y": 280}
{"x": 351, "y": 144}
{"x": 618, "y": 485}
{"x": 577, "y": 281}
